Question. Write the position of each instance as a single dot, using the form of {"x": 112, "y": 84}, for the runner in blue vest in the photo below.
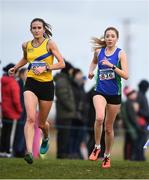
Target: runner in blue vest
{"x": 112, "y": 65}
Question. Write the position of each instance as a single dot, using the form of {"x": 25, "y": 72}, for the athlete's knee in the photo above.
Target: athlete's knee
{"x": 31, "y": 119}
{"x": 99, "y": 119}
{"x": 108, "y": 131}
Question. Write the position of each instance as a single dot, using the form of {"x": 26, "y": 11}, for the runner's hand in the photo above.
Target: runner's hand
{"x": 90, "y": 75}
{"x": 107, "y": 63}
{"x": 39, "y": 70}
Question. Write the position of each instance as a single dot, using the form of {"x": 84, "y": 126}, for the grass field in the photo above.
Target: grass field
{"x": 71, "y": 169}
{"x": 50, "y": 168}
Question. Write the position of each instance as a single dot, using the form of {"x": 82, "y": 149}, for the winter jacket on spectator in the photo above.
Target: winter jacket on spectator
{"x": 65, "y": 102}
{"x": 80, "y": 102}
{"x": 129, "y": 117}
{"x": 144, "y": 107}
{"x": 11, "y": 105}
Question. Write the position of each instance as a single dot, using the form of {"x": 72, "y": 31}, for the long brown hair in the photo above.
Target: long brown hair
{"x": 46, "y": 26}
{"x": 98, "y": 43}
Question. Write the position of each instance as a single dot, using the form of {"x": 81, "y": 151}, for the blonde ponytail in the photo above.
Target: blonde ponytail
{"x": 98, "y": 43}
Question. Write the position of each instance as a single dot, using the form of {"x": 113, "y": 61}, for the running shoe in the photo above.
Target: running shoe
{"x": 94, "y": 154}
{"x": 106, "y": 163}
{"x": 44, "y": 146}
{"x": 28, "y": 158}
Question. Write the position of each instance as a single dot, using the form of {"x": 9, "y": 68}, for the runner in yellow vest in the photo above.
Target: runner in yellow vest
{"x": 39, "y": 88}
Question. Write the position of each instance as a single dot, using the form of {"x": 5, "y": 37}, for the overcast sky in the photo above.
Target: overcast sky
{"x": 74, "y": 22}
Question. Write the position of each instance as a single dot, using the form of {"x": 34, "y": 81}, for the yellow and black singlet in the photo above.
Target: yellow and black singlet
{"x": 39, "y": 56}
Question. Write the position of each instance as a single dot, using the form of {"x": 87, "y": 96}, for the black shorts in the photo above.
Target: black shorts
{"x": 43, "y": 90}
{"x": 111, "y": 99}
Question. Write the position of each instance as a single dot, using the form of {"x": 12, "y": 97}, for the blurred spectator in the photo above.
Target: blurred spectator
{"x": 143, "y": 117}
{"x": 142, "y": 100}
{"x": 129, "y": 111}
{"x": 65, "y": 109}
{"x": 11, "y": 108}
{"x": 91, "y": 119}
{"x": 19, "y": 140}
{"x": 77, "y": 136}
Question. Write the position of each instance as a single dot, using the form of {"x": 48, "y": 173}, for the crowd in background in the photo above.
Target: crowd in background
{"x": 75, "y": 115}
{"x": 13, "y": 110}
{"x": 135, "y": 116}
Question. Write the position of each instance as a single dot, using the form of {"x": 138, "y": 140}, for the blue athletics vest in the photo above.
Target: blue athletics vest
{"x": 107, "y": 81}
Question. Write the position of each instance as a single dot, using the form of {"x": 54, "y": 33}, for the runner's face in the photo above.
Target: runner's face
{"x": 37, "y": 29}
{"x": 111, "y": 38}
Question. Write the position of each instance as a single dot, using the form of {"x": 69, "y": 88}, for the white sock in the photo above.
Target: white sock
{"x": 106, "y": 155}
{"x": 97, "y": 146}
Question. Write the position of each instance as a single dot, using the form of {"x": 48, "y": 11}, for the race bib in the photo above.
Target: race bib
{"x": 106, "y": 74}
{"x": 37, "y": 64}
